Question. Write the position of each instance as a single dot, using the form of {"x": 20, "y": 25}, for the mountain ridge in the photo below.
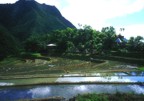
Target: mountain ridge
{"x": 26, "y": 17}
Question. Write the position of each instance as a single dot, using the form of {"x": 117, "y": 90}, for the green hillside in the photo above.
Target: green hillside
{"x": 8, "y": 44}
{"x": 25, "y": 18}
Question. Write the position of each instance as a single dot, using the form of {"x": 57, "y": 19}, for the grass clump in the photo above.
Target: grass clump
{"x": 91, "y": 97}
{"x": 30, "y": 55}
{"x": 141, "y": 68}
{"x": 111, "y": 97}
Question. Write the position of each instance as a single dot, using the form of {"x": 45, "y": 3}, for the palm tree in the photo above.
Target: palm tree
{"x": 122, "y": 29}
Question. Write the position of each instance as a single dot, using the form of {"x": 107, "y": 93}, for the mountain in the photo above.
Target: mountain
{"x": 27, "y": 17}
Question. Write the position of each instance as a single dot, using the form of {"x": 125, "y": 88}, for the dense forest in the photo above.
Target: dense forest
{"x": 71, "y": 40}
{"x": 85, "y": 40}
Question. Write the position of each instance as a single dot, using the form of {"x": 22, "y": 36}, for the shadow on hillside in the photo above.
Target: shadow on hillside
{"x": 102, "y": 58}
{"x": 82, "y": 57}
{"x": 122, "y": 59}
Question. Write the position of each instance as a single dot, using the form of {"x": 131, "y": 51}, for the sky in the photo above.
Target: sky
{"x": 128, "y": 14}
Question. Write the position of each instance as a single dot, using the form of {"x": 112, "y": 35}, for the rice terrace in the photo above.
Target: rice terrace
{"x": 44, "y": 57}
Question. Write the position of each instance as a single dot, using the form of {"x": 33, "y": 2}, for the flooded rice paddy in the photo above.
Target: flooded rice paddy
{"x": 70, "y": 90}
{"x": 66, "y": 91}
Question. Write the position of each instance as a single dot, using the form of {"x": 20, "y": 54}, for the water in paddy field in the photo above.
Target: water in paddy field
{"x": 66, "y": 91}
{"x": 71, "y": 90}
{"x": 117, "y": 79}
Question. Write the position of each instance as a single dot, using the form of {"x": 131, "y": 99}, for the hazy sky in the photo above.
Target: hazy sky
{"x": 128, "y": 14}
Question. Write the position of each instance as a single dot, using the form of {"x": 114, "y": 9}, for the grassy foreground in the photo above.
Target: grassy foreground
{"x": 97, "y": 97}
{"x": 110, "y": 97}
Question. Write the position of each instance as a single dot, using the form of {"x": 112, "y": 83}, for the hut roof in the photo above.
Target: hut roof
{"x": 51, "y": 45}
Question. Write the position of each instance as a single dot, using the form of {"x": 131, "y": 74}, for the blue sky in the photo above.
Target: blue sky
{"x": 134, "y": 18}
{"x": 126, "y": 14}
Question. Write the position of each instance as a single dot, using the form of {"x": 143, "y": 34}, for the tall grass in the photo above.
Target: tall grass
{"x": 111, "y": 97}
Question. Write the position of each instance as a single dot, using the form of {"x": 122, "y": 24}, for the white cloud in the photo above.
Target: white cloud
{"x": 96, "y": 12}
{"x": 50, "y": 2}
{"x": 7, "y": 1}
{"x": 132, "y": 30}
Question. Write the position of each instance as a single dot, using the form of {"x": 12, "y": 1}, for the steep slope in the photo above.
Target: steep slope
{"x": 26, "y": 17}
{"x": 8, "y": 44}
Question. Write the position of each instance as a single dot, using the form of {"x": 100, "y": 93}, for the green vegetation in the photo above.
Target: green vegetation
{"x": 26, "y": 58}
{"x": 36, "y": 25}
{"x": 91, "y": 97}
{"x": 23, "y": 19}
{"x": 30, "y": 81}
{"x": 8, "y": 44}
{"x": 80, "y": 51}
{"x": 56, "y": 65}
{"x": 42, "y": 66}
{"x": 141, "y": 68}
{"x": 41, "y": 69}
{"x": 98, "y": 97}
{"x": 87, "y": 41}
{"x": 110, "y": 97}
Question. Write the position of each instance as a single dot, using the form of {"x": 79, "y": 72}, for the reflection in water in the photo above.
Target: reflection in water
{"x": 40, "y": 92}
{"x": 102, "y": 79}
{"x": 120, "y": 74}
{"x": 66, "y": 91}
{"x": 13, "y": 94}
{"x": 134, "y": 73}
{"x": 5, "y": 84}
{"x": 81, "y": 88}
{"x": 130, "y": 73}
{"x": 137, "y": 89}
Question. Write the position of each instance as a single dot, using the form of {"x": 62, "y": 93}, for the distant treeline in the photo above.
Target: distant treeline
{"x": 71, "y": 40}
{"x": 85, "y": 40}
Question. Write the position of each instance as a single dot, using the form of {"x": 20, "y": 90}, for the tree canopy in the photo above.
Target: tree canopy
{"x": 86, "y": 40}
